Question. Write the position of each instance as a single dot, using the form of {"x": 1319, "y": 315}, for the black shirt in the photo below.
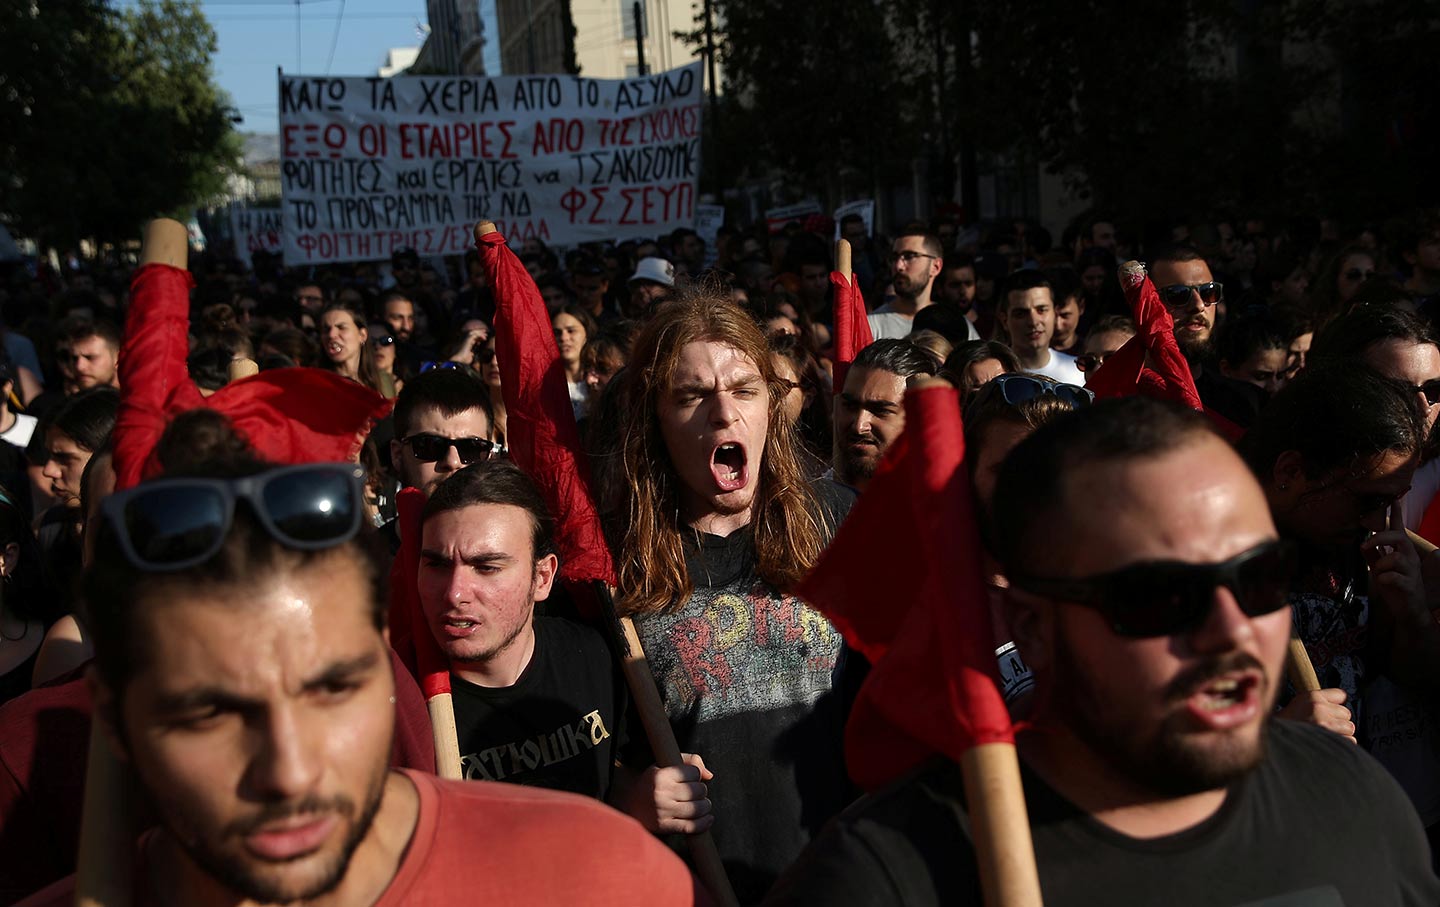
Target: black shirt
{"x": 1318, "y": 823}
{"x": 558, "y": 726}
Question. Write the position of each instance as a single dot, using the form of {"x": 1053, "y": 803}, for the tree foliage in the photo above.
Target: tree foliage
{"x": 108, "y": 117}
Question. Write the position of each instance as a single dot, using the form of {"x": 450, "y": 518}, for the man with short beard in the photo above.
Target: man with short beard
{"x": 1147, "y": 593}
{"x": 242, "y": 672}
{"x": 1192, "y": 295}
{"x": 916, "y": 259}
{"x": 870, "y": 409}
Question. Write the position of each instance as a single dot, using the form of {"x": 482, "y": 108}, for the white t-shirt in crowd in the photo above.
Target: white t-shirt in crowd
{"x": 1062, "y": 368}
{"x": 888, "y": 324}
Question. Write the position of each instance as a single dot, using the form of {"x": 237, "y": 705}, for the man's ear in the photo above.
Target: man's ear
{"x": 1288, "y": 473}
{"x": 1226, "y": 370}
{"x": 396, "y": 450}
{"x": 545, "y": 570}
{"x": 1032, "y": 626}
{"x": 1080, "y": 304}
{"x": 106, "y": 713}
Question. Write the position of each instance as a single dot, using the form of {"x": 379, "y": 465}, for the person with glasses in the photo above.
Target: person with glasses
{"x": 1336, "y": 451}
{"x": 1027, "y": 317}
{"x": 1340, "y": 278}
{"x": 916, "y": 259}
{"x": 1104, "y": 340}
{"x": 243, "y": 674}
{"x": 383, "y": 349}
{"x": 870, "y": 408}
{"x": 1147, "y": 593}
{"x": 442, "y": 424}
{"x": 1252, "y": 347}
{"x": 310, "y": 297}
{"x": 1192, "y": 296}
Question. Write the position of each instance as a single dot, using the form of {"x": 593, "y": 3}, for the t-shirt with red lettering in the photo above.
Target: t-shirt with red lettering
{"x": 488, "y": 843}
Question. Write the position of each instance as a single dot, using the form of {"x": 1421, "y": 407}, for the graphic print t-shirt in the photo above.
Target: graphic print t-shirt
{"x": 558, "y": 727}
{"x": 751, "y": 681}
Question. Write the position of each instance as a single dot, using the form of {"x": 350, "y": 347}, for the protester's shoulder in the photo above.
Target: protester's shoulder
{"x": 565, "y": 634}
{"x": 1325, "y": 761}
{"x": 520, "y": 826}
{"x": 833, "y": 500}
{"x": 875, "y": 852}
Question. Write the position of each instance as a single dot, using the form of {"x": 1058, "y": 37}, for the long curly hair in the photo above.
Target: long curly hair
{"x": 786, "y": 521}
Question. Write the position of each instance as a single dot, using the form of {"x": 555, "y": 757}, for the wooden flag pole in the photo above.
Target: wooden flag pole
{"x": 661, "y": 735}
{"x": 1299, "y": 669}
{"x": 103, "y": 873}
{"x": 843, "y": 258}
{"x": 1004, "y": 851}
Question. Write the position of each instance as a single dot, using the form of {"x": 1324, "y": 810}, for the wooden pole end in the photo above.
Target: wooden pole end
{"x": 843, "y": 256}
{"x": 484, "y": 228}
{"x": 166, "y": 242}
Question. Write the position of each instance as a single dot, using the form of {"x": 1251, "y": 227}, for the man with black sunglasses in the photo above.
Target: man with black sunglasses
{"x": 1193, "y": 297}
{"x": 242, "y": 672}
{"x": 1148, "y": 596}
{"x": 442, "y": 424}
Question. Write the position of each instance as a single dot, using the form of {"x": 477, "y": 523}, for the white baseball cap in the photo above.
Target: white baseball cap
{"x": 656, "y": 270}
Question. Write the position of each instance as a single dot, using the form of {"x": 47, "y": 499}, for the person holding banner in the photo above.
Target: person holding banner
{"x": 716, "y": 521}
{"x": 264, "y": 751}
{"x": 1147, "y": 593}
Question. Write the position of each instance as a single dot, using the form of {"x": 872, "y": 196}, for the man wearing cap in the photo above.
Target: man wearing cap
{"x": 653, "y": 279}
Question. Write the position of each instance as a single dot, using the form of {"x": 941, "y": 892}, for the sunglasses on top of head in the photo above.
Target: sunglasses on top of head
{"x": 1018, "y": 389}
{"x": 1178, "y": 294}
{"x": 173, "y": 524}
{"x": 1166, "y": 598}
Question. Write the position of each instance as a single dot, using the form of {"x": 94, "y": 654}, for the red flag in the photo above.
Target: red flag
{"x": 541, "y": 432}
{"x": 852, "y": 328}
{"x": 410, "y": 634}
{"x": 295, "y": 415}
{"x": 924, "y": 622}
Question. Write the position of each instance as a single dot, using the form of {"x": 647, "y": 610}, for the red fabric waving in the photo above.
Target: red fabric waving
{"x": 410, "y": 634}
{"x": 852, "y": 328}
{"x": 1157, "y": 333}
{"x": 296, "y": 415}
{"x": 541, "y": 433}
{"x": 933, "y": 685}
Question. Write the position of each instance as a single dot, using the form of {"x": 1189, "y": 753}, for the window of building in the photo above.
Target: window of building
{"x": 627, "y": 19}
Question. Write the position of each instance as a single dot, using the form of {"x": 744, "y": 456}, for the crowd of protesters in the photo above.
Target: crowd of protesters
{"x": 1146, "y": 562}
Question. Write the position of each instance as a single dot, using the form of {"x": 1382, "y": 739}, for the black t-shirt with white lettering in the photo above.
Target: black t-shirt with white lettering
{"x": 1319, "y": 824}
{"x": 558, "y": 726}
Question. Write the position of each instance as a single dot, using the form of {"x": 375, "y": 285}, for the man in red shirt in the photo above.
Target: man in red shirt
{"x": 241, "y": 672}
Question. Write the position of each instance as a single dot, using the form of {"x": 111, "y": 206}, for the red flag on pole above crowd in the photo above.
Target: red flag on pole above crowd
{"x": 541, "y": 432}
{"x": 852, "y": 327}
{"x": 924, "y": 622}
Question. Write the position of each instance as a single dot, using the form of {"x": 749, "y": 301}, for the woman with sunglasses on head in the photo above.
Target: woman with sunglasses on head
{"x": 344, "y": 341}
{"x": 1340, "y": 277}
{"x": 998, "y": 416}
{"x": 971, "y": 365}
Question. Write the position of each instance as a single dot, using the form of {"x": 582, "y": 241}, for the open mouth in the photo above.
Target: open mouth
{"x": 459, "y": 627}
{"x": 334, "y": 349}
{"x": 1227, "y": 701}
{"x": 727, "y": 465}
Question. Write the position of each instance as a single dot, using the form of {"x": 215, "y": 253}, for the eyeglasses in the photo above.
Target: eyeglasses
{"x": 1355, "y": 274}
{"x": 174, "y": 524}
{"x": 432, "y": 366}
{"x": 384, "y": 340}
{"x": 1167, "y": 598}
{"x": 1431, "y": 390}
{"x": 1091, "y": 361}
{"x": 429, "y": 448}
{"x": 1018, "y": 389}
{"x": 1178, "y": 294}
{"x": 907, "y": 257}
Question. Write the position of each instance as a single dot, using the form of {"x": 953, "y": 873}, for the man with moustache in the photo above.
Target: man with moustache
{"x": 916, "y": 259}
{"x": 1192, "y": 296}
{"x": 870, "y": 410}
{"x": 1147, "y": 593}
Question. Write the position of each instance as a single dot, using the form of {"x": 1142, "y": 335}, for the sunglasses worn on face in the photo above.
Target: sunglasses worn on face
{"x": 174, "y": 524}
{"x": 1178, "y": 294}
{"x": 430, "y": 448}
{"x": 1167, "y": 598}
{"x": 385, "y": 340}
{"x": 1091, "y": 361}
{"x": 1431, "y": 390}
{"x": 1018, "y": 389}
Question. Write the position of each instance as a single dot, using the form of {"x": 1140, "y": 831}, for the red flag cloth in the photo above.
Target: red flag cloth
{"x": 541, "y": 433}
{"x": 410, "y": 634}
{"x": 852, "y": 328}
{"x": 924, "y": 622}
{"x": 295, "y": 415}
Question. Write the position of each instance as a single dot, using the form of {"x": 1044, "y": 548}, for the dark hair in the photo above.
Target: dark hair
{"x": 1346, "y": 338}
{"x": 814, "y": 426}
{"x": 587, "y": 321}
{"x": 1113, "y": 323}
{"x": 928, "y": 240}
{"x": 1022, "y": 281}
{"x": 1334, "y": 415}
{"x": 83, "y": 328}
{"x": 1174, "y": 252}
{"x": 209, "y": 367}
{"x": 1031, "y": 487}
{"x": 973, "y": 352}
{"x": 450, "y": 391}
{"x": 899, "y": 357}
{"x": 88, "y": 417}
{"x": 114, "y": 590}
{"x": 1248, "y": 333}
{"x": 365, "y": 371}
{"x": 497, "y": 482}
{"x": 294, "y": 344}
{"x": 987, "y": 405}
{"x": 946, "y": 320}
{"x": 28, "y": 591}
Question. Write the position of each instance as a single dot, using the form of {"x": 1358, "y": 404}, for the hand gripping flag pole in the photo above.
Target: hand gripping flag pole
{"x": 544, "y": 441}
{"x": 932, "y": 688}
